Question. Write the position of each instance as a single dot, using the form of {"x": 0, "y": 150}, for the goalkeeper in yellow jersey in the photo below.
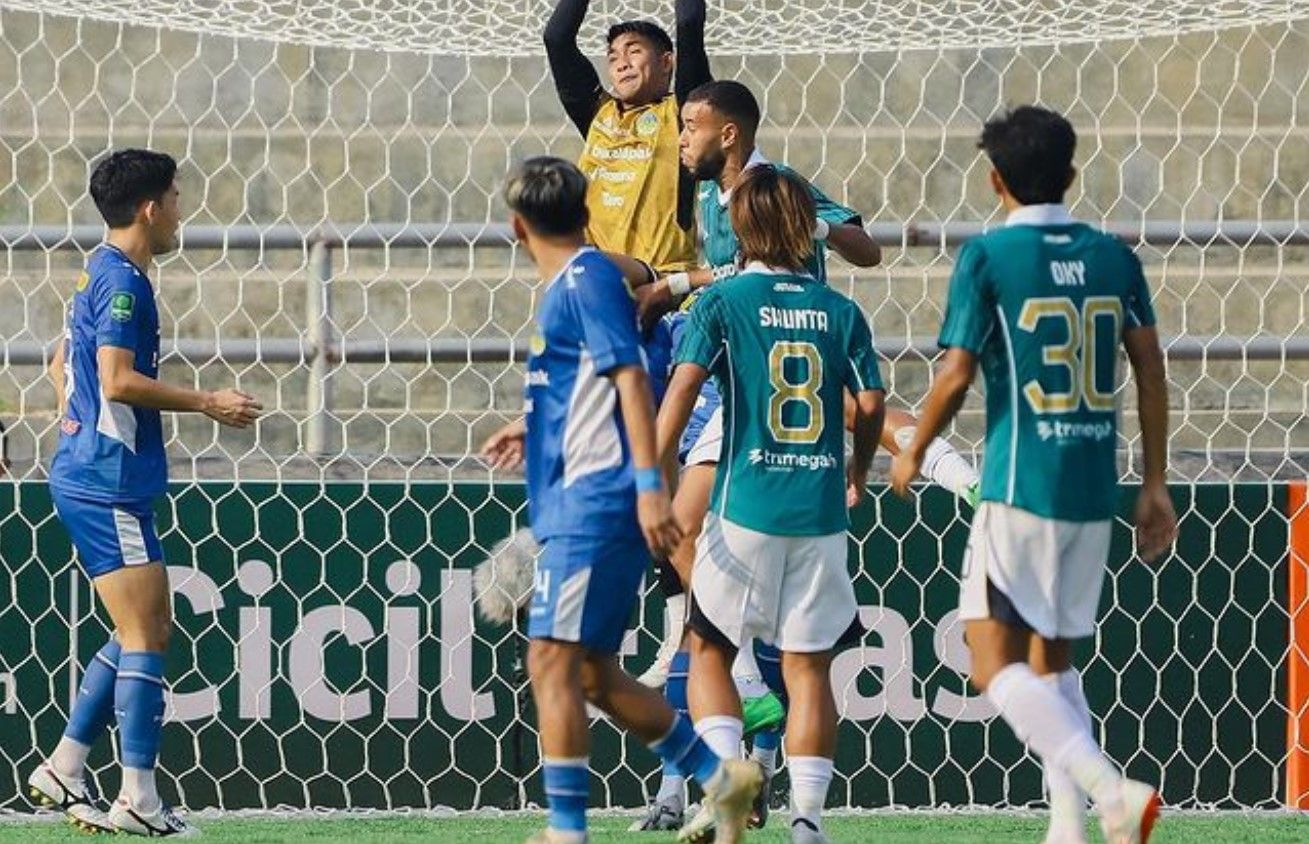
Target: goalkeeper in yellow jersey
{"x": 641, "y": 200}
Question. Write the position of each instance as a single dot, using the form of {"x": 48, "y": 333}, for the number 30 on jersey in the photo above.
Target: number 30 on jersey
{"x": 1098, "y": 322}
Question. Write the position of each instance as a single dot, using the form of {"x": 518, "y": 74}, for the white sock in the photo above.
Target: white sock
{"x": 69, "y": 758}
{"x": 810, "y": 778}
{"x": 723, "y": 734}
{"x": 746, "y": 674}
{"x": 674, "y": 623}
{"x": 139, "y": 786}
{"x": 942, "y": 465}
{"x": 767, "y": 759}
{"x": 1067, "y": 801}
{"x": 671, "y": 787}
{"x": 1042, "y": 719}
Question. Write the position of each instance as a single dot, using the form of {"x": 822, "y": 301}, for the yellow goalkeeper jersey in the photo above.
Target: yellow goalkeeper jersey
{"x": 631, "y": 160}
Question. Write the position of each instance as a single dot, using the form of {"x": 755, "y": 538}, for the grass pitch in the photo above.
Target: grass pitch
{"x": 883, "y": 828}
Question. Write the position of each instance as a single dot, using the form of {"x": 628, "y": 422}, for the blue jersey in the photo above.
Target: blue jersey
{"x": 579, "y": 466}
{"x": 109, "y": 451}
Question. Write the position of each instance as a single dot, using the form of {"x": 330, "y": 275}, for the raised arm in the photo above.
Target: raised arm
{"x": 851, "y": 242}
{"x": 843, "y": 230}
{"x": 692, "y": 61}
{"x": 576, "y": 81}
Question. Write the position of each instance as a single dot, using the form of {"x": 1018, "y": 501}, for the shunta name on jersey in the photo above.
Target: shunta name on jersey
{"x": 810, "y": 319}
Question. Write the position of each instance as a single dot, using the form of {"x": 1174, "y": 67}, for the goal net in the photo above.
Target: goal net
{"x": 344, "y": 259}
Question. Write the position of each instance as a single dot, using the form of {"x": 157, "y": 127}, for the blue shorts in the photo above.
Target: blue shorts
{"x": 769, "y": 660}
{"x": 586, "y": 588}
{"x": 109, "y": 536}
{"x": 705, "y": 405}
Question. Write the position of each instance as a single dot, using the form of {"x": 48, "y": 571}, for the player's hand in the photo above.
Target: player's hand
{"x": 232, "y": 407}
{"x": 655, "y": 513}
{"x": 856, "y": 485}
{"x": 1156, "y": 521}
{"x": 653, "y": 301}
{"x": 505, "y": 448}
{"x": 904, "y": 470}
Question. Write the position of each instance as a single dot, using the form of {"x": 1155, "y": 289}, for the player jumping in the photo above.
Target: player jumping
{"x": 1044, "y": 303}
{"x": 597, "y": 500}
{"x": 109, "y": 470}
{"x": 771, "y": 559}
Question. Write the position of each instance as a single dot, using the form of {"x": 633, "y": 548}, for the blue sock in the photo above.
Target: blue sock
{"x": 95, "y": 698}
{"x": 687, "y": 751}
{"x": 675, "y": 687}
{"x": 675, "y": 694}
{"x": 768, "y": 739}
{"x": 567, "y": 787}
{"x": 139, "y": 704}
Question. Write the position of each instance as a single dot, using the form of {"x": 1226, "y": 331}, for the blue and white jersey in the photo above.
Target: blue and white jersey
{"x": 109, "y": 451}
{"x": 579, "y": 466}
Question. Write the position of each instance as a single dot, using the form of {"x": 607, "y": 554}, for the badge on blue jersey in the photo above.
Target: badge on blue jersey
{"x": 120, "y": 307}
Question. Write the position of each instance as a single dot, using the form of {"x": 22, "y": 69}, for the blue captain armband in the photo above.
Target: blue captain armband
{"x": 649, "y": 480}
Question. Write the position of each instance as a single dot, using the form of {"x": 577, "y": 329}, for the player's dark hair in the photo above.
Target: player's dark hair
{"x": 126, "y": 178}
{"x": 731, "y": 99}
{"x": 649, "y": 30}
{"x": 773, "y": 215}
{"x": 1032, "y": 148}
{"x": 549, "y": 194}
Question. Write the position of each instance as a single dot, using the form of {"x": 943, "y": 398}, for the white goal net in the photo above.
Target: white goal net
{"x": 343, "y": 258}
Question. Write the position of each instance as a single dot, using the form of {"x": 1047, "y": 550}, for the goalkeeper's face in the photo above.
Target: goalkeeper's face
{"x": 639, "y": 73}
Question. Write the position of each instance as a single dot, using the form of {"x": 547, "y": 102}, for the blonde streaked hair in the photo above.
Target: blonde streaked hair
{"x": 773, "y": 215}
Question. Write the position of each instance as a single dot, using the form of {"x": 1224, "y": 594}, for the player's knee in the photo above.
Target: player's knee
{"x": 595, "y": 683}
{"x": 150, "y": 632}
{"x": 549, "y": 661}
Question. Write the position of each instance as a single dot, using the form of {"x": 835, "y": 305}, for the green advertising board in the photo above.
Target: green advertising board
{"x": 328, "y": 654}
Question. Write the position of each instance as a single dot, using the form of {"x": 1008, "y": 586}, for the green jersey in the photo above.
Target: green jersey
{"x": 720, "y": 245}
{"x": 1044, "y": 302}
{"x": 783, "y": 348}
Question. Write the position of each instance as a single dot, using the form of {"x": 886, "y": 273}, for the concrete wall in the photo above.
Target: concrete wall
{"x": 1199, "y": 127}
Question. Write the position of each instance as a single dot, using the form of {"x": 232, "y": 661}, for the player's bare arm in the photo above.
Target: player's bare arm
{"x": 122, "y": 383}
{"x": 675, "y": 411}
{"x": 56, "y": 375}
{"x": 869, "y": 413}
{"x": 653, "y": 509}
{"x": 851, "y": 242}
{"x": 1156, "y": 519}
{"x": 949, "y": 387}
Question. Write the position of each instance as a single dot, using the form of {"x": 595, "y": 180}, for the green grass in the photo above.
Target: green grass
{"x": 907, "y": 828}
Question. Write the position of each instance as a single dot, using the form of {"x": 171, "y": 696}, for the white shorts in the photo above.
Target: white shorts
{"x": 790, "y": 591}
{"x": 1050, "y": 570}
{"x": 709, "y": 445}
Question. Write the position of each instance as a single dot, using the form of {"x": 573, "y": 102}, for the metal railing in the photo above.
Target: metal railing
{"x": 321, "y": 349}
